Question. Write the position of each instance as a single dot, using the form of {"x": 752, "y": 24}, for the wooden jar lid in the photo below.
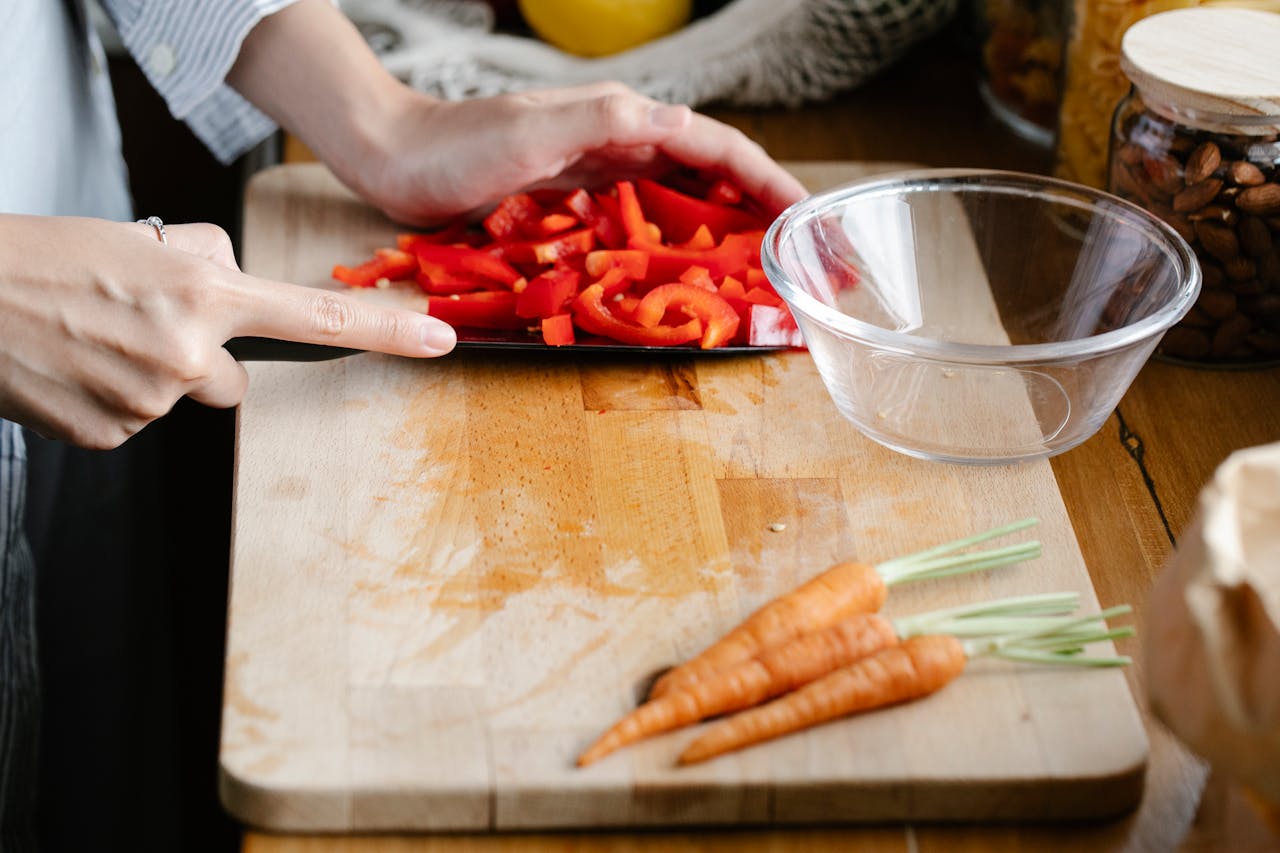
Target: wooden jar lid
{"x": 1209, "y": 60}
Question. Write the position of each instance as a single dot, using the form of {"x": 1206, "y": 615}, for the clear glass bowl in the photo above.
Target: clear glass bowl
{"x": 978, "y": 316}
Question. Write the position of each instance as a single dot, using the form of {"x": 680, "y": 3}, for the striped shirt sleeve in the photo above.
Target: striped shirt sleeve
{"x": 186, "y": 48}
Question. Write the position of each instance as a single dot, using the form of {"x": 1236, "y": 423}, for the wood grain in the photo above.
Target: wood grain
{"x": 449, "y": 576}
{"x": 1117, "y": 487}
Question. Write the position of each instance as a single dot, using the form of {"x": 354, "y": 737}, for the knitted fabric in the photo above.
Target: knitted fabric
{"x": 748, "y": 53}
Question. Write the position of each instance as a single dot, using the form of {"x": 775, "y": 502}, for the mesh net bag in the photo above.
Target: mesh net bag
{"x": 748, "y": 53}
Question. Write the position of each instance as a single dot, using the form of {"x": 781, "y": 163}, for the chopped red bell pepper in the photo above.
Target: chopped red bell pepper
{"x": 770, "y": 326}
{"x": 550, "y": 251}
{"x": 731, "y": 288}
{"x": 491, "y": 309}
{"x": 452, "y": 233}
{"x": 547, "y": 294}
{"x": 591, "y": 213}
{"x": 719, "y": 320}
{"x": 614, "y": 281}
{"x": 701, "y": 240}
{"x": 724, "y": 192}
{"x": 760, "y": 296}
{"x": 554, "y": 223}
{"x": 699, "y": 277}
{"x": 632, "y": 262}
{"x": 386, "y": 265}
{"x": 557, "y": 331}
{"x": 445, "y": 262}
{"x": 591, "y": 314}
{"x": 447, "y": 285}
{"x": 679, "y": 215}
{"x": 514, "y": 216}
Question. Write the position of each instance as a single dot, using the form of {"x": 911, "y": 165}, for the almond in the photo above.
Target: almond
{"x": 1263, "y": 200}
{"x": 1255, "y": 236}
{"x": 1244, "y": 174}
{"x": 1230, "y": 335}
{"x": 1221, "y": 213}
{"x": 1241, "y": 269}
{"x": 1202, "y": 163}
{"x": 1213, "y": 275}
{"x": 1264, "y": 340}
{"x": 1218, "y": 240}
{"x": 1196, "y": 195}
{"x": 1182, "y": 342}
{"x": 1218, "y": 304}
{"x": 1163, "y": 173}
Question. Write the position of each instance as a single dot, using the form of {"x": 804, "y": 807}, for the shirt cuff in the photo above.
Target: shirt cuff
{"x": 186, "y": 48}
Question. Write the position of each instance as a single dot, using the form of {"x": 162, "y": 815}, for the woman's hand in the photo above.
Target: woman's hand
{"x": 439, "y": 158}
{"x": 422, "y": 160}
{"x": 103, "y": 328}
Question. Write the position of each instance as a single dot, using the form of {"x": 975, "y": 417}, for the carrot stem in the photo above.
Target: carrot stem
{"x": 960, "y": 544}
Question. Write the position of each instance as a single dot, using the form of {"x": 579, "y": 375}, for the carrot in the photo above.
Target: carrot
{"x": 840, "y": 591}
{"x": 917, "y": 667}
{"x": 775, "y": 671}
{"x": 781, "y": 668}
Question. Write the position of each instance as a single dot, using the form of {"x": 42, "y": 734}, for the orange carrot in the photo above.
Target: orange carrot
{"x": 840, "y": 591}
{"x": 776, "y": 670}
{"x": 915, "y": 668}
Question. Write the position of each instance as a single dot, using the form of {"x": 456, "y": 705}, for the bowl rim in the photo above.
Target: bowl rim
{"x": 968, "y": 179}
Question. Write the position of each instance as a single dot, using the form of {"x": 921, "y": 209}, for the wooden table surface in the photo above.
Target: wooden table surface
{"x": 1130, "y": 490}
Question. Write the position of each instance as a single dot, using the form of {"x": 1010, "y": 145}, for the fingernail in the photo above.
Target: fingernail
{"x": 439, "y": 336}
{"x": 668, "y": 115}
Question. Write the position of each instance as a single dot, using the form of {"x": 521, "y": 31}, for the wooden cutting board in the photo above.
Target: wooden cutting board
{"x": 450, "y": 576}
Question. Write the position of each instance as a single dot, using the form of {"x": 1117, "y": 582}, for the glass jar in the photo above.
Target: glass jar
{"x": 1093, "y": 83}
{"x": 1022, "y": 45}
{"x": 1206, "y": 159}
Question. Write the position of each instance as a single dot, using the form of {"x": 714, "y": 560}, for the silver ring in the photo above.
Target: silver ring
{"x": 157, "y": 223}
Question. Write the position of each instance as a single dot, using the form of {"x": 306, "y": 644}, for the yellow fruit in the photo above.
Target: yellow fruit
{"x": 602, "y": 27}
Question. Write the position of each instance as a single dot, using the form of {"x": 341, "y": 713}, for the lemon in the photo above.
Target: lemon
{"x": 602, "y": 27}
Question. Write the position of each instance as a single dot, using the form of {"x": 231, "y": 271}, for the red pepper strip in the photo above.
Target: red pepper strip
{"x": 557, "y": 248}
{"x": 547, "y": 294}
{"x": 760, "y": 296}
{"x": 624, "y": 306}
{"x": 748, "y": 242}
{"x": 607, "y": 219}
{"x": 701, "y": 240}
{"x": 731, "y": 288}
{"x": 512, "y": 216}
{"x": 451, "y": 233}
{"x": 667, "y": 263}
{"x": 547, "y": 197}
{"x": 614, "y": 281}
{"x": 768, "y": 326}
{"x": 633, "y": 262}
{"x": 557, "y": 331}
{"x": 698, "y": 277}
{"x": 452, "y": 261}
{"x": 389, "y": 264}
{"x": 757, "y": 278}
{"x": 493, "y": 309}
{"x": 633, "y": 221}
{"x": 592, "y": 315}
{"x": 554, "y": 223}
{"x": 679, "y": 215}
{"x": 719, "y": 319}
{"x": 438, "y": 284}
{"x": 724, "y": 192}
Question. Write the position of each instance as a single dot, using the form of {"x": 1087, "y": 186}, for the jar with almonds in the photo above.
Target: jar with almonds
{"x": 1197, "y": 142}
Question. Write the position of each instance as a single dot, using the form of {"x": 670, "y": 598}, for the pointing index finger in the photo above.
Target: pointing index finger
{"x": 272, "y": 309}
